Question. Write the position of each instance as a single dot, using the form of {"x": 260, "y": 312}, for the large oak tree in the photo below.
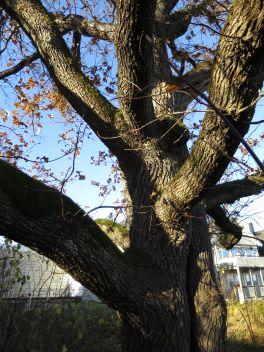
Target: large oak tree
{"x": 163, "y": 285}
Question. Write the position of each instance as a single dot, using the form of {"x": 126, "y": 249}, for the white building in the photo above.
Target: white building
{"x": 25, "y": 274}
{"x": 28, "y": 274}
{"x": 241, "y": 269}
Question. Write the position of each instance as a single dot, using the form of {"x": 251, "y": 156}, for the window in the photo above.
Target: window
{"x": 262, "y": 272}
{"x": 238, "y": 251}
{"x": 241, "y": 251}
{"x": 234, "y": 252}
{"x": 225, "y": 253}
{"x": 246, "y": 279}
{"x": 251, "y": 252}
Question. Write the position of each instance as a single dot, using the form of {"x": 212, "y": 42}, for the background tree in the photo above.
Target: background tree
{"x": 163, "y": 285}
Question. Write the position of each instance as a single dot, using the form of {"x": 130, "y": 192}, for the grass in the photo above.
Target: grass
{"x": 81, "y": 327}
{"x": 245, "y": 327}
{"x": 93, "y": 327}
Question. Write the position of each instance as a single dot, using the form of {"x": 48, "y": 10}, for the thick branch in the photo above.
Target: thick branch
{"x": 175, "y": 25}
{"x": 18, "y": 67}
{"x": 87, "y": 28}
{"x": 164, "y": 7}
{"x": 229, "y": 192}
{"x": 237, "y": 77}
{"x": 135, "y": 59}
{"x": 64, "y": 69}
{"x": 199, "y": 77}
{"x": 230, "y": 233}
{"x": 43, "y": 219}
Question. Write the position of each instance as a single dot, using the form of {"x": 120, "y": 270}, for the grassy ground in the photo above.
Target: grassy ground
{"x": 81, "y": 327}
{"x": 92, "y": 327}
{"x": 246, "y": 327}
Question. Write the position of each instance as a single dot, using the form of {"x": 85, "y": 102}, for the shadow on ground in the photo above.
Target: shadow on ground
{"x": 241, "y": 346}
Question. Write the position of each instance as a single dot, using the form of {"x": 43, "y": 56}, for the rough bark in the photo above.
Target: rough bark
{"x": 231, "y": 191}
{"x": 163, "y": 285}
{"x": 207, "y": 307}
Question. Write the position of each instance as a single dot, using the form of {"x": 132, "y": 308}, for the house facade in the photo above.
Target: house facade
{"x": 241, "y": 269}
{"x": 41, "y": 278}
{"x": 44, "y": 280}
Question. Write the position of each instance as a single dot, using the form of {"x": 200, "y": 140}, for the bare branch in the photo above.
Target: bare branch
{"x": 166, "y": 6}
{"x": 229, "y": 192}
{"x": 19, "y": 66}
{"x": 174, "y": 26}
{"x": 198, "y": 77}
{"x": 230, "y": 233}
{"x": 80, "y": 26}
{"x": 256, "y": 122}
{"x": 87, "y": 28}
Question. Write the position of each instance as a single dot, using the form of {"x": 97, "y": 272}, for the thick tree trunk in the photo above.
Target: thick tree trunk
{"x": 163, "y": 286}
{"x": 189, "y": 314}
{"x": 182, "y": 319}
{"x": 160, "y": 330}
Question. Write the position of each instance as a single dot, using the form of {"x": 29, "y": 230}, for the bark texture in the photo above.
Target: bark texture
{"x": 163, "y": 285}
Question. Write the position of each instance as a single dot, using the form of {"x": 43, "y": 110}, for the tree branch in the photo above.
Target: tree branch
{"x": 166, "y": 6}
{"x": 229, "y": 192}
{"x": 76, "y": 46}
{"x": 176, "y": 24}
{"x": 199, "y": 77}
{"x": 173, "y": 26}
{"x": 75, "y": 23}
{"x": 87, "y": 28}
{"x": 18, "y": 67}
{"x": 47, "y": 221}
{"x": 237, "y": 77}
{"x": 88, "y": 102}
{"x": 230, "y": 233}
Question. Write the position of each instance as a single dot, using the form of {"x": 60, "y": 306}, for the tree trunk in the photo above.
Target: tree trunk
{"x": 182, "y": 319}
{"x": 159, "y": 330}
{"x": 164, "y": 285}
{"x": 207, "y": 305}
{"x": 184, "y": 310}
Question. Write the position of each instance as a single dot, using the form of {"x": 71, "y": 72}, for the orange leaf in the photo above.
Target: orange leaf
{"x": 16, "y": 121}
{"x": 171, "y": 87}
{"x": 18, "y": 88}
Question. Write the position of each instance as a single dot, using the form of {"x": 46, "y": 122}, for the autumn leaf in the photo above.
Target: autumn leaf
{"x": 16, "y": 121}
{"x": 18, "y": 88}
{"x": 171, "y": 87}
{"x": 8, "y": 154}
